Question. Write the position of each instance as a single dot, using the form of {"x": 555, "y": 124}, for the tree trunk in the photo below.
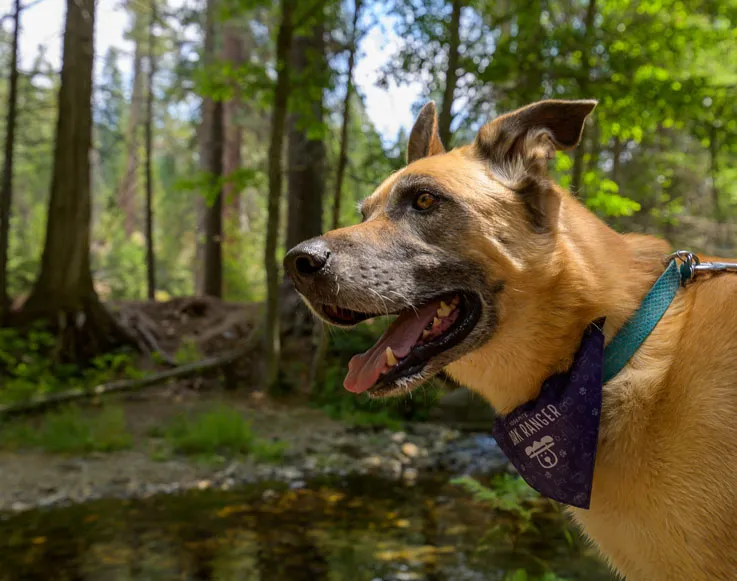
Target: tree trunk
{"x": 578, "y": 158}
{"x": 343, "y": 155}
{"x": 63, "y": 294}
{"x": 451, "y": 74}
{"x": 714, "y": 171}
{"x": 279, "y": 115}
{"x": 205, "y": 136}
{"x": 233, "y": 54}
{"x": 306, "y": 174}
{"x": 150, "y": 263}
{"x": 616, "y": 159}
{"x": 6, "y": 190}
{"x": 129, "y": 184}
{"x": 213, "y": 284}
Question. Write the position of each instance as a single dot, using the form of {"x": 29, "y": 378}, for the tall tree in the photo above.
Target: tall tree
{"x": 345, "y": 122}
{"x": 213, "y": 256}
{"x": 6, "y": 189}
{"x": 232, "y": 53}
{"x": 128, "y": 187}
{"x": 451, "y": 73}
{"x": 278, "y": 120}
{"x": 150, "y": 262}
{"x": 63, "y": 294}
{"x": 584, "y": 84}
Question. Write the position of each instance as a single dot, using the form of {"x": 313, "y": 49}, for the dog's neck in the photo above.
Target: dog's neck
{"x": 594, "y": 272}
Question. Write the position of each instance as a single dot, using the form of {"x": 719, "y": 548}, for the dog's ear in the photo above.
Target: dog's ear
{"x": 524, "y": 139}
{"x": 424, "y": 139}
{"x": 518, "y": 145}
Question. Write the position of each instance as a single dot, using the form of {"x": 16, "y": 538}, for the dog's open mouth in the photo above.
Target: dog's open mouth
{"x": 412, "y": 340}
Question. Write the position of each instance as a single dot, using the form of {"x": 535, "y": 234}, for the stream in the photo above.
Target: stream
{"x": 351, "y": 529}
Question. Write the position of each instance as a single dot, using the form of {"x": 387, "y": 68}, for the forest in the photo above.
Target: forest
{"x": 150, "y": 192}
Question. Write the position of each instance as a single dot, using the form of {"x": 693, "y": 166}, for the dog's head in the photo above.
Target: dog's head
{"x": 442, "y": 242}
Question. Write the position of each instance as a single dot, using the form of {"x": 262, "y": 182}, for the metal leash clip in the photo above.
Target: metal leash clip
{"x": 691, "y": 265}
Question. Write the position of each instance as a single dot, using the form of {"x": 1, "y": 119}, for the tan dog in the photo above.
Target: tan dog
{"x": 495, "y": 272}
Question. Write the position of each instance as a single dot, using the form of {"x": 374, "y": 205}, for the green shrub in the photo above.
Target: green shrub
{"x": 71, "y": 431}
{"x": 220, "y": 431}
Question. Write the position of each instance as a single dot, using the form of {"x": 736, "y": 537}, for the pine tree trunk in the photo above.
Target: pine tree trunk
{"x": 714, "y": 172}
{"x": 279, "y": 115}
{"x": 129, "y": 183}
{"x": 6, "y": 189}
{"x": 579, "y": 156}
{"x": 150, "y": 262}
{"x": 63, "y": 294}
{"x": 343, "y": 155}
{"x": 451, "y": 74}
{"x": 213, "y": 284}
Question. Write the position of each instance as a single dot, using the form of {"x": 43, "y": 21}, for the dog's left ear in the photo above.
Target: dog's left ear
{"x": 532, "y": 135}
{"x": 424, "y": 139}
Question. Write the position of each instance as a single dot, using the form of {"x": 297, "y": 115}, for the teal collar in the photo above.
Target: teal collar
{"x": 634, "y": 332}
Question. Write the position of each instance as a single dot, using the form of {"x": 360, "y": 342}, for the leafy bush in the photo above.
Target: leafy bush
{"x": 28, "y": 368}
{"x": 70, "y": 431}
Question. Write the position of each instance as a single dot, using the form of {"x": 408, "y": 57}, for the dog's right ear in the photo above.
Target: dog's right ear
{"x": 424, "y": 139}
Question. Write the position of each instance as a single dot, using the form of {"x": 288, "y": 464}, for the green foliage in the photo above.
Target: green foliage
{"x": 218, "y": 432}
{"x": 505, "y": 493}
{"x": 71, "y": 431}
{"x": 28, "y": 367}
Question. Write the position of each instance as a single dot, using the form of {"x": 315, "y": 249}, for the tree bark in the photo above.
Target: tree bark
{"x": 279, "y": 115}
{"x": 578, "y": 158}
{"x": 213, "y": 284}
{"x": 150, "y": 262}
{"x": 451, "y": 74}
{"x": 6, "y": 190}
{"x": 343, "y": 155}
{"x": 205, "y": 135}
{"x": 306, "y": 173}
{"x": 129, "y": 184}
{"x": 232, "y": 53}
{"x": 63, "y": 295}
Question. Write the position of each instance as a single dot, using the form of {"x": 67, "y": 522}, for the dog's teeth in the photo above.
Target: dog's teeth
{"x": 435, "y": 322}
{"x": 444, "y": 310}
{"x": 390, "y": 358}
{"x": 425, "y": 334}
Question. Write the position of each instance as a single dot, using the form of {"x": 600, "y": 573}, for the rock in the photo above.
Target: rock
{"x": 410, "y": 474}
{"x": 410, "y": 450}
{"x": 291, "y": 473}
{"x": 394, "y": 468}
{"x": 399, "y": 437}
{"x": 371, "y": 462}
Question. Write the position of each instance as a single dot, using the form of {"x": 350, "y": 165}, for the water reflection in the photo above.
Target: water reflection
{"x": 363, "y": 530}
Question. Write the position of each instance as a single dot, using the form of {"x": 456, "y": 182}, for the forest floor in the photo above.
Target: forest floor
{"x": 314, "y": 445}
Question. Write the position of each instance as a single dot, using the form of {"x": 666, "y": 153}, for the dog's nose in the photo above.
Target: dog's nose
{"x": 307, "y": 259}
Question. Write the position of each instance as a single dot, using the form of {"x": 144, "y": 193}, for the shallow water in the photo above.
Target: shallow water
{"x": 356, "y": 530}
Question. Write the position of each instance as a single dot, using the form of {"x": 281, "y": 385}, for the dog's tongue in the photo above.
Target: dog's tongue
{"x": 364, "y": 369}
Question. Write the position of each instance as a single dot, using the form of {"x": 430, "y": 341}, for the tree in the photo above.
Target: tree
{"x": 278, "y": 120}
{"x": 345, "y": 122}
{"x": 63, "y": 294}
{"x": 6, "y": 188}
{"x": 129, "y": 182}
{"x": 150, "y": 263}
{"x": 451, "y": 73}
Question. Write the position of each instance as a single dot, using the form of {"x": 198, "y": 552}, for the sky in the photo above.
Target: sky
{"x": 42, "y": 24}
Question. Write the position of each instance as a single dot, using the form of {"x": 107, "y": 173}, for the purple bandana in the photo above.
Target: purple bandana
{"x": 552, "y": 440}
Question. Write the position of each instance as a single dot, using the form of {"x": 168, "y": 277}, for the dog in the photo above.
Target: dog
{"x": 495, "y": 272}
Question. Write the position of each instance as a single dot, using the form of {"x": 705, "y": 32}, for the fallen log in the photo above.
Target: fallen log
{"x": 41, "y": 403}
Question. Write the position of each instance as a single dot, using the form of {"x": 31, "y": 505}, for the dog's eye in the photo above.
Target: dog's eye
{"x": 424, "y": 201}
